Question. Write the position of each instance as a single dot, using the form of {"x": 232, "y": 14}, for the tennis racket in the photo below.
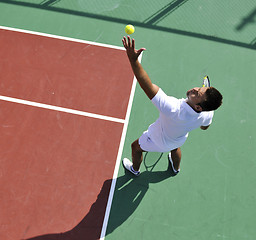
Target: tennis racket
{"x": 206, "y": 82}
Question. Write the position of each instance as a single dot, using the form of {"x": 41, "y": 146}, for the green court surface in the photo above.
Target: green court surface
{"x": 214, "y": 195}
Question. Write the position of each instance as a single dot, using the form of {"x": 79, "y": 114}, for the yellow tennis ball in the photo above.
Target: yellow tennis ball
{"x": 129, "y": 29}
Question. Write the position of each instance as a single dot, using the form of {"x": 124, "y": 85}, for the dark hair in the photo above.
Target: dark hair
{"x": 213, "y": 99}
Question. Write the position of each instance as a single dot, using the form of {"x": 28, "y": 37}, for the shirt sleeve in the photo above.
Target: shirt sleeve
{"x": 165, "y": 104}
{"x": 208, "y": 119}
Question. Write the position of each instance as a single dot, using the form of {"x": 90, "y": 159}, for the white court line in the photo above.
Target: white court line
{"x": 118, "y": 160}
{"x": 61, "y": 109}
{"x": 61, "y": 37}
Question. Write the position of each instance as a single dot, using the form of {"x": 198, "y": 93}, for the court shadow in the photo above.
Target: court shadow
{"x": 250, "y": 19}
{"x": 90, "y": 226}
{"x": 164, "y": 12}
{"x": 150, "y": 23}
{"x": 49, "y": 2}
{"x": 129, "y": 192}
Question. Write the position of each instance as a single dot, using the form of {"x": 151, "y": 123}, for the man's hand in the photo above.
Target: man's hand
{"x": 148, "y": 87}
{"x": 129, "y": 45}
{"x": 204, "y": 127}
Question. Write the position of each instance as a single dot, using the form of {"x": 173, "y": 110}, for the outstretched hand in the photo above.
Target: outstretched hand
{"x": 129, "y": 45}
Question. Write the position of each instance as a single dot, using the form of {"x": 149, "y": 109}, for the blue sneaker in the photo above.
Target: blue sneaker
{"x": 128, "y": 166}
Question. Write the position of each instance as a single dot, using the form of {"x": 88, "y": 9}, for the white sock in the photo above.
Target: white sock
{"x": 134, "y": 170}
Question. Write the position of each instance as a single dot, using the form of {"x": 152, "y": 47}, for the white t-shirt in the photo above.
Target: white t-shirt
{"x": 175, "y": 121}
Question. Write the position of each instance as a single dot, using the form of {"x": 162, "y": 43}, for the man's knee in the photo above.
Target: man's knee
{"x": 176, "y": 150}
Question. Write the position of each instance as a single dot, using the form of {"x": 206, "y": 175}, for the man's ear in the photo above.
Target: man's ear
{"x": 198, "y": 108}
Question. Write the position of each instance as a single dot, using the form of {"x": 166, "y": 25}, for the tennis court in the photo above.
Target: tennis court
{"x": 70, "y": 108}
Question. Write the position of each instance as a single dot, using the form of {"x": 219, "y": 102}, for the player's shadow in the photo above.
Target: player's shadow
{"x": 129, "y": 192}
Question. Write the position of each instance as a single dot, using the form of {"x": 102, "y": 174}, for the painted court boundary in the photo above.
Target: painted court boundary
{"x": 118, "y": 161}
{"x": 61, "y": 109}
{"x": 86, "y": 114}
{"x": 61, "y": 37}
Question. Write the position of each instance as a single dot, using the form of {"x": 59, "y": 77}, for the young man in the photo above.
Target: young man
{"x": 177, "y": 117}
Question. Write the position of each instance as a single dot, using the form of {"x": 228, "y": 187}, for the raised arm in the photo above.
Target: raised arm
{"x": 142, "y": 77}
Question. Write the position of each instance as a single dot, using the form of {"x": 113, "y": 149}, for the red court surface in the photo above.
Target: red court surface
{"x": 64, "y": 73}
{"x": 56, "y": 167}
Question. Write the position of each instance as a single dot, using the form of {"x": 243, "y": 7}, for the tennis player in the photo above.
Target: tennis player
{"x": 177, "y": 117}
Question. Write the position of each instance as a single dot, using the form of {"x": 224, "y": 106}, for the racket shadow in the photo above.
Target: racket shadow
{"x": 150, "y": 160}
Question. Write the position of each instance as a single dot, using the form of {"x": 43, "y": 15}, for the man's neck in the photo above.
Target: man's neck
{"x": 192, "y": 106}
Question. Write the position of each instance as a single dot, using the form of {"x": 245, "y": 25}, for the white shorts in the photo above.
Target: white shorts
{"x": 146, "y": 144}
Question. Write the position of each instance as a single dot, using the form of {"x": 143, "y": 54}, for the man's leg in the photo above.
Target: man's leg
{"x": 137, "y": 155}
{"x": 137, "y": 158}
{"x": 176, "y": 158}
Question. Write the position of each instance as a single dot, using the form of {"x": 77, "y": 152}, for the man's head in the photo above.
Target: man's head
{"x": 204, "y": 98}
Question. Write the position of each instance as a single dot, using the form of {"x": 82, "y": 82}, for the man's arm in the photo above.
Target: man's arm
{"x": 142, "y": 77}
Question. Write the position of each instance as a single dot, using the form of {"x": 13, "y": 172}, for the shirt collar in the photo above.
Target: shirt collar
{"x": 189, "y": 109}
